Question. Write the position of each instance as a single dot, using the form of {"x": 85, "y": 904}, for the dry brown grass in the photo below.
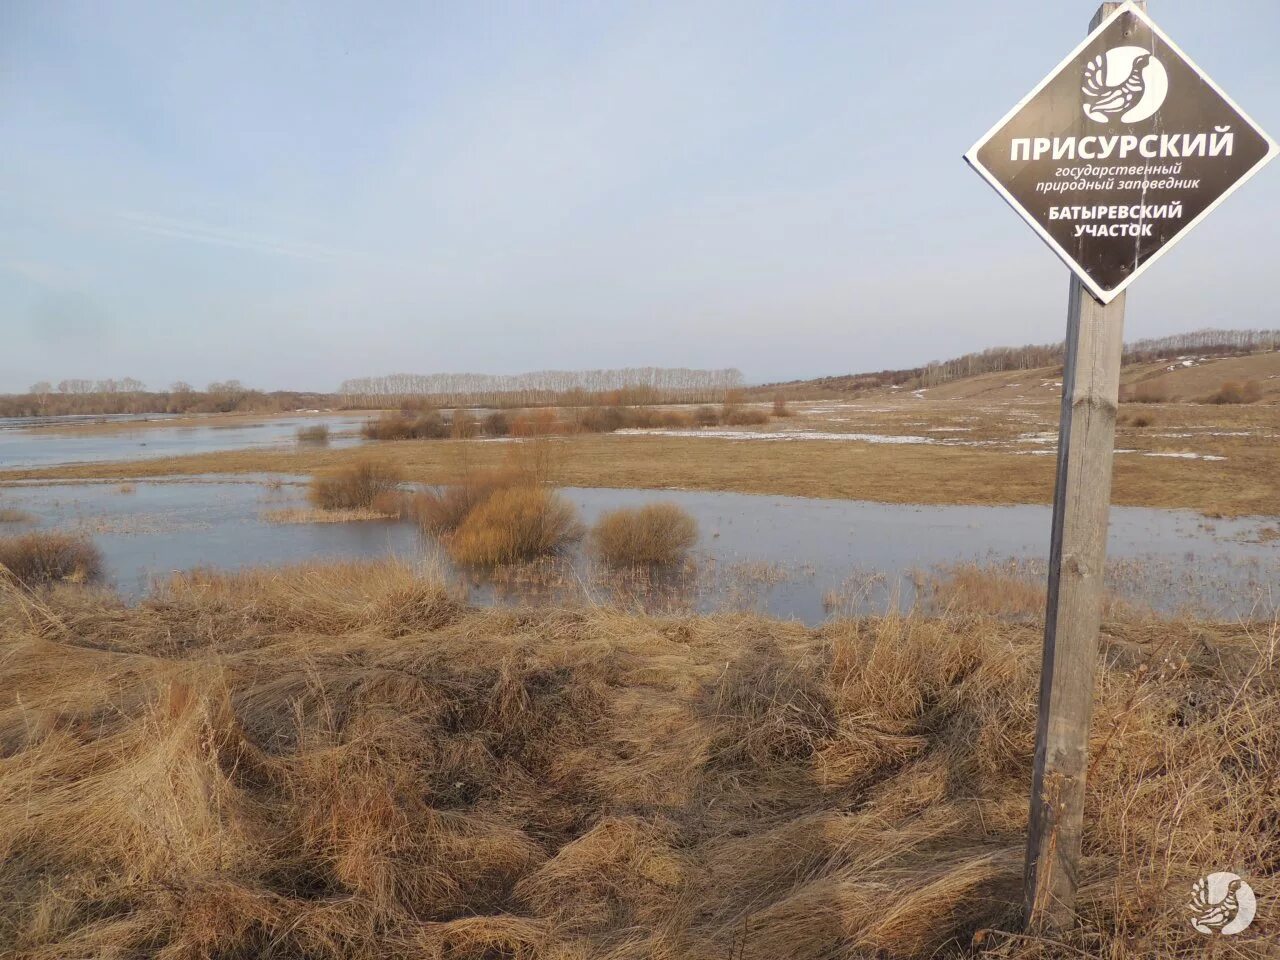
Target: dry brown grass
{"x": 1236, "y": 391}
{"x": 11, "y": 515}
{"x": 655, "y": 535}
{"x": 514, "y": 524}
{"x": 38, "y": 559}
{"x": 442, "y": 510}
{"x": 1147, "y": 391}
{"x": 996, "y": 471}
{"x": 356, "y": 486}
{"x": 343, "y": 762}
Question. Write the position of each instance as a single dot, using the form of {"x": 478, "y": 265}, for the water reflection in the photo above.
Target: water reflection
{"x": 787, "y": 556}
{"x": 23, "y": 448}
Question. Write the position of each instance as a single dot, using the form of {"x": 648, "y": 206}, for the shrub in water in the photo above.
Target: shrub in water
{"x": 429, "y": 426}
{"x": 442, "y": 511}
{"x": 519, "y": 523}
{"x": 463, "y": 426}
{"x": 496, "y": 424}
{"x": 354, "y": 487}
{"x": 388, "y": 426}
{"x": 41, "y": 558}
{"x": 318, "y": 434}
{"x": 656, "y": 535}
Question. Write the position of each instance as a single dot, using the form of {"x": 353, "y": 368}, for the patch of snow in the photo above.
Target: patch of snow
{"x": 1185, "y": 456}
{"x": 782, "y": 435}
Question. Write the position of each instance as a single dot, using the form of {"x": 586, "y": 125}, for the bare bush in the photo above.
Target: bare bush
{"x": 37, "y": 559}
{"x": 357, "y": 486}
{"x": 515, "y": 524}
{"x": 657, "y": 535}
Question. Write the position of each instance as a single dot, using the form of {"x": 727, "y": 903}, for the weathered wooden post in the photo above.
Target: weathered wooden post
{"x": 1073, "y": 615}
{"x": 1112, "y": 159}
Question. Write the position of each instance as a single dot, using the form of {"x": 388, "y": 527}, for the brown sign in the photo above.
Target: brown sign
{"x": 1120, "y": 151}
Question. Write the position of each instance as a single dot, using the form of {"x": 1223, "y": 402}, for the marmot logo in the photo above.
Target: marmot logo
{"x": 1125, "y": 82}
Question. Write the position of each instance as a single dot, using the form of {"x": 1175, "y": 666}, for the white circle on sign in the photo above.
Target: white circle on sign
{"x": 1125, "y": 83}
{"x": 1222, "y": 903}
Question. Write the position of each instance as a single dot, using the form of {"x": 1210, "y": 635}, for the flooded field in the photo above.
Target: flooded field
{"x": 787, "y": 556}
{"x": 55, "y": 441}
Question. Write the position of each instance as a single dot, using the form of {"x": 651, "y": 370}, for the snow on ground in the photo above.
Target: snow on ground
{"x": 1184, "y": 456}
{"x": 781, "y": 435}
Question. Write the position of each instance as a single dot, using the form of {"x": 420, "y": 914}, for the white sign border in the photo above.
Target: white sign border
{"x": 1106, "y": 296}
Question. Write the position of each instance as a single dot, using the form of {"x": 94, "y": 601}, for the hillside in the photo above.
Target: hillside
{"x": 1180, "y": 368}
{"x": 1178, "y": 380}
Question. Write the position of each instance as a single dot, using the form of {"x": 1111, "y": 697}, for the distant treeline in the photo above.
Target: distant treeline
{"x": 1215, "y": 343}
{"x": 107, "y": 397}
{"x": 631, "y": 385}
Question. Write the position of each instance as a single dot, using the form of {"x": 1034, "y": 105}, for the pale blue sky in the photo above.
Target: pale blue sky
{"x": 292, "y": 193}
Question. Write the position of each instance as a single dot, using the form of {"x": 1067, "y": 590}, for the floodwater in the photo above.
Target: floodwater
{"x": 786, "y": 556}
{"x": 22, "y": 448}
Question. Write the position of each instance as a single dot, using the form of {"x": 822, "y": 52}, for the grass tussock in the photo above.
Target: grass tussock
{"x": 442, "y": 511}
{"x": 357, "y": 486}
{"x": 316, "y": 434}
{"x": 1236, "y": 391}
{"x": 344, "y": 762}
{"x": 514, "y": 524}
{"x": 43, "y": 558}
{"x": 12, "y": 515}
{"x": 655, "y": 535}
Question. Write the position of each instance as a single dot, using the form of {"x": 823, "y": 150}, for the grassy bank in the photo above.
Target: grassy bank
{"x": 1243, "y": 484}
{"x": 346, "y": 762}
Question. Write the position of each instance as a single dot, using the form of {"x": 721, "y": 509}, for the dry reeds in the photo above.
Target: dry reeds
{"x": 512, "y": 525}
{"x": 463, "y": 425}
{"x": 39, "y": 559}
{"x": 443, "y": 510}
{"x": 11, "y": 515}
{"x": 317, "y": 434}
{"x": 655, "y": 535}
{"x": 355, "y": 487}
{"x": 343, "y": 763}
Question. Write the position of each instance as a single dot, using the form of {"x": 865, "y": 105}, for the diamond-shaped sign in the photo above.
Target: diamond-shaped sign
{"x": 1120, "y": 151}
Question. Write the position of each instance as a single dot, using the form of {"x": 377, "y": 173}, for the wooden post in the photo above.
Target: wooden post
{"x": 1077, "y": 555}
